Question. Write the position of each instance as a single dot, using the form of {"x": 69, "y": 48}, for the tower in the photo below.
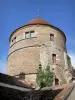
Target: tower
{"x": 39, "y": 42}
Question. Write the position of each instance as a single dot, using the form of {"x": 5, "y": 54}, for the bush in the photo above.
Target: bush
{"x": 44, "y": 78}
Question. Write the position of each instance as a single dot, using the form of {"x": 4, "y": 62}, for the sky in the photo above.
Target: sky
{"x": 15, "y": 13}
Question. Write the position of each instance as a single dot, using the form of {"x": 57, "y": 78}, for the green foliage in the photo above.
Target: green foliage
{"x": 40, "y": 77}
{"x": 48, "y": 77}
{"x": 44, "y": 78}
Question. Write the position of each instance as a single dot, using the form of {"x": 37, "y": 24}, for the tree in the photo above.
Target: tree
{"x": 44, "y": 78}
{"x": 40, "y": 77}
{"x": 48, "y": 77}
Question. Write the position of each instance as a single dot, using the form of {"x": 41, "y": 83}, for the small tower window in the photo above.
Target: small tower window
{"x": 56, "y": 81}
{"x": 14, "y": 40}
{"x": 51, "y": 37}
{"x": 54, "y": 58}
{"x": 32, "y": 34}
{"x": 27, "y": 35}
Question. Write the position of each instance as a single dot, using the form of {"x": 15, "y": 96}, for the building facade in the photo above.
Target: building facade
{"x": 39, "y": 42}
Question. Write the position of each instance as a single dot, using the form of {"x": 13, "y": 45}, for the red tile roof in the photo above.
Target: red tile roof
{"x": 38, "y": 21}
{"x": 65, "y": 92}
{"x": 26, "y": 82}
{"x": 6, "y": 79}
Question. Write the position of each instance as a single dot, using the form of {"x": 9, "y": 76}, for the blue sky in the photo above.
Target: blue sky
{"x": 15, "y": 13}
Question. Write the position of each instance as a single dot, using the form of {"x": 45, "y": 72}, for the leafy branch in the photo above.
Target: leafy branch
{"x": 44, "y": 77}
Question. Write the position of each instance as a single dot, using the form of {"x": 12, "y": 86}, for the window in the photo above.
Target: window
{"x": 54, "y": 58}
{"x": 14, "y": 39}
{"x": 51, "y": 37}
{"x": 56, "y": 81}
{"x": 40, "y": 66}
{"x": 32, "y": 34}
{"x": 27, "y": 35}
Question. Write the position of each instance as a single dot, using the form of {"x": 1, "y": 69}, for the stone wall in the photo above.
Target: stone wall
{"x": 24, "y": 60}
{"x": 42, "y": 36}
{"x": 25, "y": 55}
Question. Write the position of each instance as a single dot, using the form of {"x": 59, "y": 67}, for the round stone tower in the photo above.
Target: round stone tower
{"x": 39, "y": 42}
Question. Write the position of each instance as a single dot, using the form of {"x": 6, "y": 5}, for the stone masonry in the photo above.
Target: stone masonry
{"x": 25, "y": 55}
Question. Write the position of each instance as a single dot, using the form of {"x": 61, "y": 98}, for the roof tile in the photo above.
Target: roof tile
{"x": 38, "y": 21}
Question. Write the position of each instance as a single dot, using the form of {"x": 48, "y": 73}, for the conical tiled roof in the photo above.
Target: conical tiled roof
{"x": 38, "y": 21}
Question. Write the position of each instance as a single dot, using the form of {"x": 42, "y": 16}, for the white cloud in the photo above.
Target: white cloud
{"x": 72, "y": 55}
{"x": 71, "y": 49}
{"x": 2, "y": 66}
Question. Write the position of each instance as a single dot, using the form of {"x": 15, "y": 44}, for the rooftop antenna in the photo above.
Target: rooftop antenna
{"x": 37, "y": 12}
